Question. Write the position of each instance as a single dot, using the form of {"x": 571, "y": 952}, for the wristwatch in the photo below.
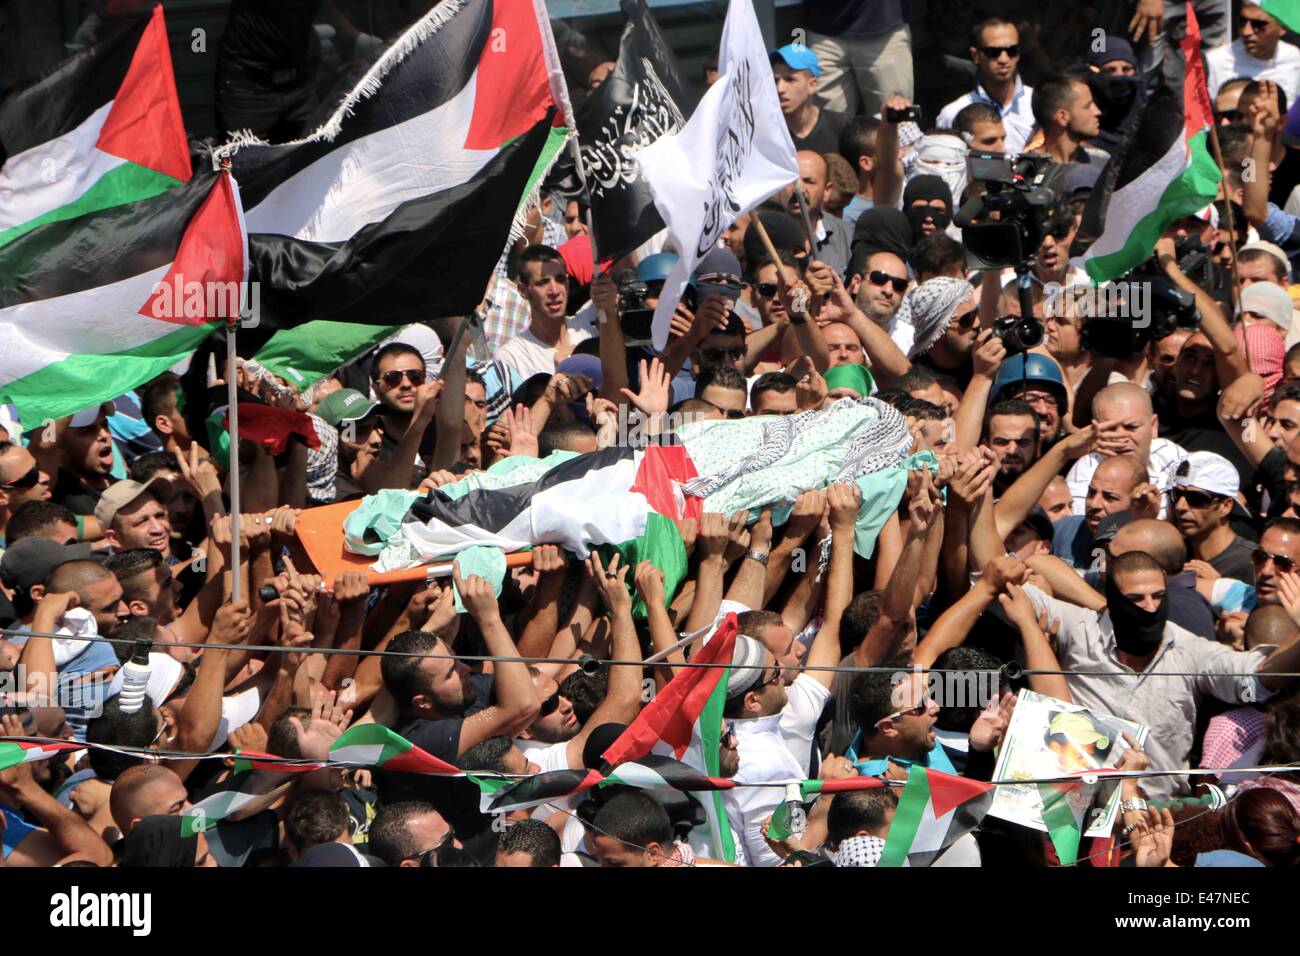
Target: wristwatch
{"x": 1136, "y": 805}
{"x": 759, "y": 556}
{"x": 798, "y": 318}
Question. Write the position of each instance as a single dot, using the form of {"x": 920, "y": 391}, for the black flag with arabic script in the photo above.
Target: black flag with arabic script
{"x": 643, "y": 98}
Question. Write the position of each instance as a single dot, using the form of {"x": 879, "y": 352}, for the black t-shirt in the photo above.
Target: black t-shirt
{"x": 1234, "y": 561}
{"x": 1285, "y": 178}
{"x": 1270, "y": 478}
{"x": 961, "y": 374}
{"x": 393, "y": 437}
{"x": 456, "y": 799}
{"x": 75, "y": 495}
{"x": 825, "y": 134}
{"x": 1203, "y": 432}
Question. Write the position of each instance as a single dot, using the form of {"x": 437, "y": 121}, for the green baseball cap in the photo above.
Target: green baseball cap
{"x": 345, "y": 405}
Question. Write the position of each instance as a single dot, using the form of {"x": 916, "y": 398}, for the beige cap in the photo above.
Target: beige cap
{"x": 121, "y": 493}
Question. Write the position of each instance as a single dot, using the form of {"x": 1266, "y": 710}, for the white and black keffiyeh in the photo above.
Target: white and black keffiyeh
{"x": 860, "y": 851}
{"x": 928, "y": 308}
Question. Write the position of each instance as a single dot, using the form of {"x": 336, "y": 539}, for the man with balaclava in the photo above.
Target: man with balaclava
{"x": 1133, "y": 634}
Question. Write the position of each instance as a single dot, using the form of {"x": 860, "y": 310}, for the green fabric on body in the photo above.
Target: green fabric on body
{"x": 488, "y": 563}
{"x": 377, "y": 518}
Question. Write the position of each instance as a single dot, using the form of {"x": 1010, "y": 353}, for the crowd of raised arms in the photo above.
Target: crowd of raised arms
{"x": 1115, "y": 529}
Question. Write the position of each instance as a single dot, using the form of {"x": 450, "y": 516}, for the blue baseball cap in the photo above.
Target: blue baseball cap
{"x": 655, "y": 268}
{"x": 797, "y": 57}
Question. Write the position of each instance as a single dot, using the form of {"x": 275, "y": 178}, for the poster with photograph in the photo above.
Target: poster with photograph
{"x": 1048, "y": 738}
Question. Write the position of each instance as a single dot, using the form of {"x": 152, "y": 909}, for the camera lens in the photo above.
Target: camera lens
{"x": 1018, "y": 334}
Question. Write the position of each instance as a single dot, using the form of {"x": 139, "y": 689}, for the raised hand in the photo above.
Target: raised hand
{"x": 652, "y": 399}
{"x": 611, "y": 583}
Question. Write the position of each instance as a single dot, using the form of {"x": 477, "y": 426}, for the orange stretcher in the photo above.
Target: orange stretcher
{"x": 321, "y": 532}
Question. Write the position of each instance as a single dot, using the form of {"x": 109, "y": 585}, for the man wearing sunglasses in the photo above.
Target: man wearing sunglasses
{"x": 21, "y": 481}
{"x": 1202, "y": 498}
{"x": 877, "y": 286}
{"x": 995, "y": 49}
{"x": 1259, "y": 52}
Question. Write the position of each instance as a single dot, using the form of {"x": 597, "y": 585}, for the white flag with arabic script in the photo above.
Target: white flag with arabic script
{"x": 732, "y": 154}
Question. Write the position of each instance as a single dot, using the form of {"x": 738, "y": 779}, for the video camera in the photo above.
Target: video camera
{"x": 1145, "y": 294}
{"x": 1015, "y": 212}
{"x": 636, "y": 317}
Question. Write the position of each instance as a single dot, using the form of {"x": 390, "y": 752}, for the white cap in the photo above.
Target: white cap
{"x": 88, "y": 416}
{"x": 747, "y": 659}
{"x": 1208, "y": 472}
{"x": 1273, "y": 250}
{"x": 1270, "y": 301}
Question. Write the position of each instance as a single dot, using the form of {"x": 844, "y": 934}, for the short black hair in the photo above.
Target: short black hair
{"x": 779, "y": 382}
{"x": 561, "y": 435}
{"x": 723, "y": 376}
{"x": 401, "y": 675}
{"x": 539, "y": 841}
{"x": 860, "y": 617}
{"x": 1287, "y": 525}
{"x": 935, "y": 255}
{"x": 969, "y": 115}
{"x": 920, "y": 408}
{"x": 129, "y": 565}
{"x": 1263, "y": 255}
{"x": 891, "y": 396}
{"x": 977, "y": 31}
{"x": 143, "y": 628}
{"x": 388, "y": 837}
{"x": 858, "y": 139}
{"x": 1141, "y": 561}
{"x": 915, "y": 380}
{"x": 394, "y": 348}
{"x": 585, "y": 692}
{"x": 540, "y": 253}
{"x": 158, "y": 397}
{"x": 150, "y": 463}
{"x": 318, "y": 816}
{"x": 1286, "y": 391}
{"x": 871, "y": 695}
{"x": 118, "y": 729}
{"x": 1011, "y": 406}
{"x": 964, "y": 658}
{"x": 486, "y": 756}
{"x": 634, "y": 819}
{"x": 862, "y": 810}
{"x": 33, "y": 519}
{"x": 1052, "y": 93}
{"x": 282, "y": 739}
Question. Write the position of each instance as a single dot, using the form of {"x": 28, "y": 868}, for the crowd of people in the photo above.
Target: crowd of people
{"x": 1119, "y": 532}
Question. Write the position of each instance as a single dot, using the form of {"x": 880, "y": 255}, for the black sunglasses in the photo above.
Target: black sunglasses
{"x": 767, "y": 289}
{"x": 993, "y": 52}
{"x": 550, "y": 705}
{"x": 28, "y": 480}
{"x": 394, "y": 378}
{"x": 1256, "y": 23}
{"x": 880, "y": 278}
{"x": 1280, "y": 561}
{"x": 967, "y": 320}
{"x": 1194, "y": 499}
{"x": 434, "y": 855}
{"x": 717, "y": 356}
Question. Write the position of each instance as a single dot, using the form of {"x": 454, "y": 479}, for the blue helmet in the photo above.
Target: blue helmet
{"x": 655, "y": 268}
{"x": 1034, "y": 368}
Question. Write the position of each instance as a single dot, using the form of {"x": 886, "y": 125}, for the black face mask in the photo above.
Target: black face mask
{"x": 917, "y": 215}
{"x": 1115, "y": 95}
{"x": 1137, "y": 630}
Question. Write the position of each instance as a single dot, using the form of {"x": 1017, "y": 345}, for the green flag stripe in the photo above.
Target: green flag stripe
{"x": 127, "y": 182}
{"x": 305, "y": 354}
{"x": 907, "y": 818}
{"x": 1188, "y": 194}
{"x": 1062, "y": 825}
{"x": 80, "y": 381}
{"x": 710, "y": 724}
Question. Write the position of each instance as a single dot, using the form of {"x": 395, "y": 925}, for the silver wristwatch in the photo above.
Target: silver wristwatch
{"x": 1136, "y": 805}
{"x": 759, "y": 556}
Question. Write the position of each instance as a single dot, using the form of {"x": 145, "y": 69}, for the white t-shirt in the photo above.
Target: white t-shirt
{"x": 549, "y": 757}
{"x": 528, "y": 355}
{"x": 1163, "y": 454}
{"x": 1226, "y": 62}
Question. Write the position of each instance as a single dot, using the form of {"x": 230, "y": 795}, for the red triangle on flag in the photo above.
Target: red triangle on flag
{"x": 145, "y": 125}
{"x": 205, "y": 281}
{"x": 1198, "y": 113}
{"x": 512, "y": 91}
{"x": 947, "y": 791}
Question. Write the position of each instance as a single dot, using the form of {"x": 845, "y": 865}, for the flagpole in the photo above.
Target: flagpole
{"x": 232, "y": 398}
{"x": 576, "y": 149}
{"x": 1232, "y": 240}
{"x": 756, "y": 223}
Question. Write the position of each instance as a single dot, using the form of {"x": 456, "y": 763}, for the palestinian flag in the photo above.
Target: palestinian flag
{"x": 1285, "y": 12}
{"x": 657, "y": 770}
{"x": 374, "y": 745}
{"x": 617, "y": 498}
{"x": 780, "y": 827}
{"x": 14, "y": 752}
{"x": 398, "y": 208}
{"x": 306, "y": 353}
{"x": 1162, "y": 171}
{"x": 101, "y": 129}
{"x": 94, "y": 306}
{"x": 934, "y": 810}
{"x": 686, "y": 718}
{"x": 1064, "y": 823}
{"x": 503, "y": 796}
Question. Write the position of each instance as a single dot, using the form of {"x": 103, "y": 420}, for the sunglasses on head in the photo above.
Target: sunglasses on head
{"x": 1194, "y": 499}
{"x": 993, "y": 52}
{"x": 718, "y": 356}
{"x": 882, "y": 279}
{"x": 394, "y": 378}
{"x": 767, "y": 289}
{"x": 28, "y": 480}
{"x": 1280, "y": 561}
